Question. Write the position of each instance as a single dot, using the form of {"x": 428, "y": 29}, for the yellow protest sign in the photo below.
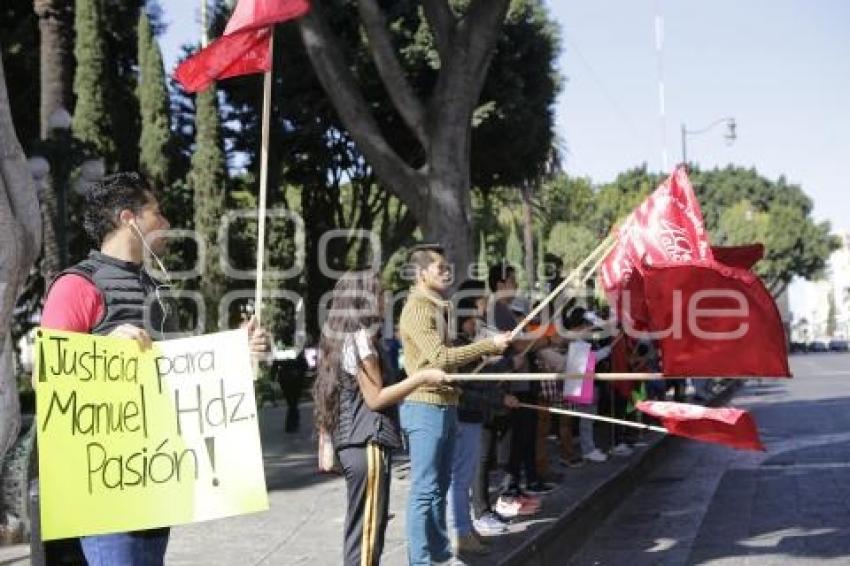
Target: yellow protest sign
{"x": 131, "y": 440}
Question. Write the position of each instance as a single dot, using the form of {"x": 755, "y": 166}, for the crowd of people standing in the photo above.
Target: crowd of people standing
{"x": 457, "y": 433}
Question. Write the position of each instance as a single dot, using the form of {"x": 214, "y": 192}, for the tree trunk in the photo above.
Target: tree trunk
{"x": 20, "y": 242}
{"x": 438, "y": 193}
{"x": 528, "y": 235}
{"x": 56, "y": 27}
{"x": 447, "y": 220}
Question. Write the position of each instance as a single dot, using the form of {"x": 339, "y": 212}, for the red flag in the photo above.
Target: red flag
{"x": 244, "y": 47}
{"x": 739, "y": 256}
{"x": 253, "y": 14}
{"x": 242, "y": 53}
{"x": 620, "y": 364}
{"x": 666, "y": 227}
{"x": 714, "y": 320}
{"x": 724, "y": 425}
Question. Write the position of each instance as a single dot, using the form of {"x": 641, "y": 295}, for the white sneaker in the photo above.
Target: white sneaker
{"x": 622, "y": 449}
{"x": 488, "y": 525}
{"x": 507, "y": 507}
{"x": 596, "y": 456}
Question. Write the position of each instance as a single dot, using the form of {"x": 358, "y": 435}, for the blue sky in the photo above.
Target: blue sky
{"x": 781, "y": 68}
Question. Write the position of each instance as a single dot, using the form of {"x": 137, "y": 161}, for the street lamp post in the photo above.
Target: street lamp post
{"x": 730, "y": 135}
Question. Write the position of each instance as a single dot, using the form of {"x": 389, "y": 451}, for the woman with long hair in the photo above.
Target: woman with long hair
{"x": 355, "y": 404}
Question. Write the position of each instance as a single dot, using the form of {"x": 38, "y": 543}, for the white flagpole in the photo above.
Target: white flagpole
{"x": 264, "y": 179}
{"x": 594, "y": 417}
{"x": 548, "y": 376}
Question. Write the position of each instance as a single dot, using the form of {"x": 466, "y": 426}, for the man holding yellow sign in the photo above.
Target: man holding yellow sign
{"x": 131, "y": 433}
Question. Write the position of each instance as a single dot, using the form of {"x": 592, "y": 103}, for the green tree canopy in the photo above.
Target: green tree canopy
{"x": 154, "y": 106}
{"x": 740, "y": 206}
{"x": 571, "y": 242}
{"x": 207, "y": 179}
{"x": 92, "y": 118}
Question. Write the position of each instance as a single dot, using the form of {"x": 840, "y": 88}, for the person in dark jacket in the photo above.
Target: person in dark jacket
{"x": 478, "y": 401}
{"x": 111, "y": 293}
{"x": 355, "y": 404}
{"x": 291, "y": 374}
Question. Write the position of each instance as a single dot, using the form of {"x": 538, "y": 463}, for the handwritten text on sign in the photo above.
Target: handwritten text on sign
{"x": 131, "y": 440}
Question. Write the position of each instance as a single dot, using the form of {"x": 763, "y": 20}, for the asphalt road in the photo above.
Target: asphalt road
{"x": 707, "y": 504}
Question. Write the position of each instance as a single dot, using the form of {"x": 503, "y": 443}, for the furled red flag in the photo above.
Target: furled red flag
{"x": 714, "y": 320}
{"x": 724, "y": 425}
{"x": 244, "y": 47}
{"x": 666, "y": 227}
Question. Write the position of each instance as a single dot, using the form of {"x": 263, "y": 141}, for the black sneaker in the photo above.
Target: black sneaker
{"x": 573, "y": 462}
{"x": 539, "y": 488}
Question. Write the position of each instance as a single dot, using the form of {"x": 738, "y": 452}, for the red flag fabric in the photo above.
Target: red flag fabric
{"x": 739, "y": 256}
{"x": 244, "y": 47}
{"x": 620, "y": 364}
{"x": 724, "y": 425}
{"x": 253, "y": 14}
{"x": 630, "y": 304}
{"x": 242, "y": 53}
{"x": 714, "y": 320}
{"x": 666, "y": 227}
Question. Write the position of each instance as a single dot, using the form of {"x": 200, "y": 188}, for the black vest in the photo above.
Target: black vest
{"x": 130, "y": 294}
{"x": 358, "y": 424}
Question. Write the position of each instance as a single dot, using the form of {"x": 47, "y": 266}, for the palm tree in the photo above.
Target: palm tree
{"x": 56, "y": 56}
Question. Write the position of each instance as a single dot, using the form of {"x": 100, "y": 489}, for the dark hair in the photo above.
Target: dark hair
{"x": 554, "y": 260}
{"x": 353, "y": 306}
{"x": 470, "y": 290}
{"x": 575, "y": 318}
{"x": 498, "y": 274}
{"x": 422, "y": 255}
{"x": 108, "y": 197}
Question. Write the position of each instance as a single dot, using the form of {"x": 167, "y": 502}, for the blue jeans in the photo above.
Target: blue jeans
{"x": 139, "y": 548}
{"x": 464, "y": 466}
{"x": 585, "y": 429}
{"x": 430, "y": 431}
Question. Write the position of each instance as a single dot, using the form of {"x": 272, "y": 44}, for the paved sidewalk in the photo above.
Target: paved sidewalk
{"x": 304, "y": 524}
{"x": 305, "y": 519}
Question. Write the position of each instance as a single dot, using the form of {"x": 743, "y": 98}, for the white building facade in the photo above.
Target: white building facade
{"x": 812, "y": 310}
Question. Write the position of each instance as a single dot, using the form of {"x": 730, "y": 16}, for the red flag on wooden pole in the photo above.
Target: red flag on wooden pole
{"x": 714, "y": 320}
{"x": 723, "y": 425}
{"x": 244, "y": 47}
{"x": 666, "y": 227}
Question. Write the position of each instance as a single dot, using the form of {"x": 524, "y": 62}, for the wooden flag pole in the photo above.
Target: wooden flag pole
{"x": 548, "y": 376}
{"x": 607, "y": 244}
{"x": 264, "y": 180}
{"x": 557, "y": 312}
{"x": 594, "y": 417}
{"x": 604, "y": 248}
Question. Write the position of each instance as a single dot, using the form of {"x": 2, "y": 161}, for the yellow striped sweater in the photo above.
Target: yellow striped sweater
{"x": 424, "y": 338}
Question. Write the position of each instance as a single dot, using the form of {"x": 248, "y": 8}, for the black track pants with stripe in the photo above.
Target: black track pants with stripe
{"x": 367, "y": 479}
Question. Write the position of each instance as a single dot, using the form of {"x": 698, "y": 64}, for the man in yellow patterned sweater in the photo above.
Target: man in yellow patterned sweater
{"x": 429, "y": 414}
